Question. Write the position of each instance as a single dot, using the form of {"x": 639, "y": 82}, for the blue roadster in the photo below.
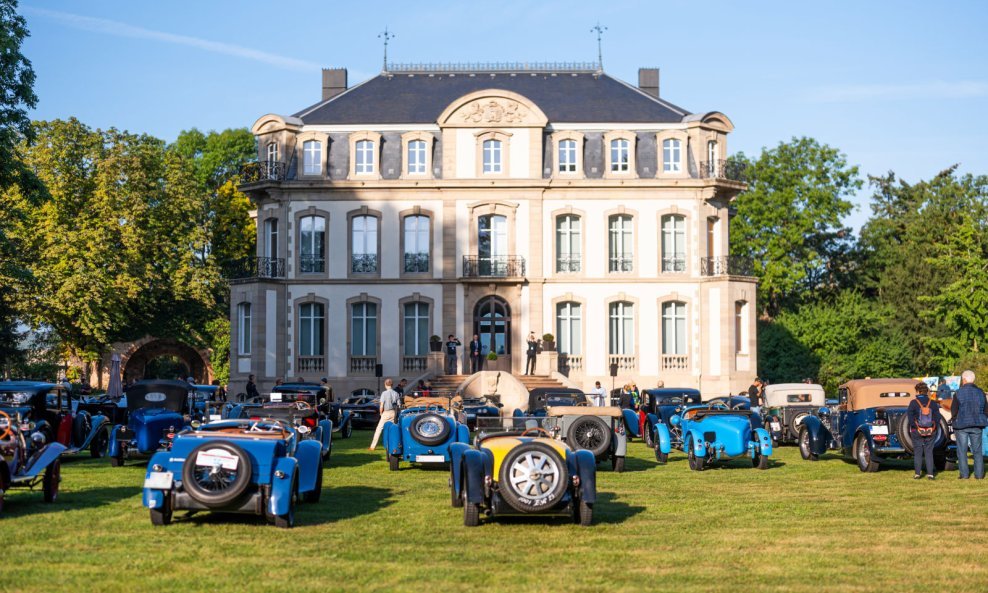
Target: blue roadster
{"x": 423, "y": 432}
{"x": 715, "y": 433}
{"x": 306, "y": 420}
{"x": 257, "y": 467}
{"x": 156, "y": 411}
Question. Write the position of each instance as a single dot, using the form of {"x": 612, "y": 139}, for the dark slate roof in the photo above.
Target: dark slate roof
{"x": 582, "y": 97}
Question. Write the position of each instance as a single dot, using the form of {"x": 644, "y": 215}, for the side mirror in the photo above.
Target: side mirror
{"x": 675, "y": 420}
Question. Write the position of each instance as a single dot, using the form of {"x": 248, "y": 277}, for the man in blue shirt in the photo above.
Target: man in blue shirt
{"x": 970, "y": 415}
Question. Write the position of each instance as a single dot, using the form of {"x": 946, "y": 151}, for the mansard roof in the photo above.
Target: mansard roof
{"x": 419, "y": 97}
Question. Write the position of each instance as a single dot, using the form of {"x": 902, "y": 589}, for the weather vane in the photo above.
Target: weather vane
{"x": 387, "y": 37}
{"x": 600, "y": 55}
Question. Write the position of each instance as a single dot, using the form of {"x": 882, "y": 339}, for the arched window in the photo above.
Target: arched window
{"x": 492, "y": 156}
{"x": 416, "y": 157}
{"x": 243, "y": 329}
{"x": 672, "y": 155}
{"x": 312, "y": 245}
{"x": 363, "y": 329}
{"x": 311, "y": 322}
{"x": 364, "y": 157}
{"x": 364, "y": 245}
{"x": 620, "y": 155}
{"x": 674, "y": 243}
{"x": 567, "y": 156}
{"x": 621, "y": 231}
{"x": 622, "y": 328}
{"x": 416, "y": 256}
{"x": 569, "y": 243}
{"x": 416, "y": 329}
{"x": 569, "y": 328}
{"x": 312, "y": 157}
{"x": 674, "y": 328}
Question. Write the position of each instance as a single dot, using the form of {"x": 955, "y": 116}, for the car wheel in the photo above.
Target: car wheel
{"x": 348, "y": 429}
{"x": 117, "y": 460}
{"x": 905, "y": 437}
{"x": 590, "y": 433}
{"x": 471, "y": 512}
{"x": 533, "y": 477}
{"x": 99, "y": 445}
{"x": 660, "y": 456}
{"x": 313, "y": 495}
{"x": 617, "y": 463}
{"x": 393, "y": 462}
{"x": 51, "y": 479}
{"x": 863, "y": 455}
{"x": 585, "y": 513}
{"x": 648, "y": 437}
{"x": 804, "y": 445}
{"x": 429, "y": 429}
{"x": 287, "y": 521}
{"x": 163, "y": 516}
{"x": 216, "y": 473}
{"x": 696, "y": 463}
{"x": 759, "y": 461}
{"x": 454, "y": 500}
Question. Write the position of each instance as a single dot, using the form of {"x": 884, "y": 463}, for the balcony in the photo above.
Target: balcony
{"x": 568, "y": 264}
{"x": 622, "y": 263}
{"x": 675, "y": 362}
{"x": 675, "y": 264}
{"x": 722, "y": 169}
{"x": 311, "y": 364}
{"x": 416, "y": 263}
{"x": 498, "y": 266}
{"x": 311, "y": 264}
{"x": 259, "y": 268}
{"x": 728, "y": 265}
{"x": 263, "y": 171}
{"x": 625, "y": 363}
{"x": 414, "y": 364}
{"x": 363, "y": 263}
{"x": 363, "y": 365}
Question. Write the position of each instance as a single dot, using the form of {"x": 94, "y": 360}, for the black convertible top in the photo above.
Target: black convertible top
{"x": 156, "y": 393}
{"x": 541, "y": 397}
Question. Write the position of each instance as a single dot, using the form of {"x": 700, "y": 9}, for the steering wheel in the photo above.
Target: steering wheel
{"x": 8, "y": 425}
{"x": 538, "y": 431}
{"x": 302, "y": 405}
{"x": 272, "y": 423}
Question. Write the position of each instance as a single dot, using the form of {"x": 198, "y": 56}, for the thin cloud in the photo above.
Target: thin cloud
{"x": 119, "y": 29}
{"x": 937, "y": 89}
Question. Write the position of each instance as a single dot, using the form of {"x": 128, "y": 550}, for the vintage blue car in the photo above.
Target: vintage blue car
{"x": 258, "y": 467}
{"x": 423, "y": 431}
{"x": 660, "y": 405}
{"x": 54, "y": 414}
{"x": 299, "y": 414}
{"x": 26, "y": 459}
{"x": 713, "y": 432}
{"x": 522, "y": 473}
{"x": 156, "y": 411}
{"x": 869, "y": 424}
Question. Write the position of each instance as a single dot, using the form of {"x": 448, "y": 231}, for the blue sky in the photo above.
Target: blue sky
{"x": 899, "y": 86}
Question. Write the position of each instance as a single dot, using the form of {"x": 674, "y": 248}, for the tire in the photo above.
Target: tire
{"x": 50, "y": 481}
{"x": 118, "y": 460}
{"x": 287, "y": 521}
{"x": 617, "y": 463}
{"x": 216, "y": 486}
{"x": 99, "y": 445}
{"x": 347, "y": 431}
{"x": 81, "y": 425}
{"x": 454, "y": 500}
{"x": 696, "y": 463}
{"x": 905, "y": 437}
{"x": 429, "y": 429}
{"x": 471, "y": 512}
{"x": 795, "y": 423}
{"x": 163, "y": 516}
{"x": 393, "y": 462}
{"x": 804, "y": 445}
{"x": 590, "y": 433}
{"x": 648, "y": 437}
{"x": 863, "y": 455}
{"x": 533, "y": 477}
{"x": 660, "y": 456}
{"x": 584, "y": 513}
{"x": 759, "y": 461}
{"x": 313, "y": 495}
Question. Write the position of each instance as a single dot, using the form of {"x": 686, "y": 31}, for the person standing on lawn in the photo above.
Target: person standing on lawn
{"x": 969, "y": 410}
{"x": 923, "y": 416}
{"x": 755, "y": 394}
{"x": 251, "y": 390}
{"x": 390, "y": 400}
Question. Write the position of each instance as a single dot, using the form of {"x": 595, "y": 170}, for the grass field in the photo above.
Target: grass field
{"x": 798, "y": 526}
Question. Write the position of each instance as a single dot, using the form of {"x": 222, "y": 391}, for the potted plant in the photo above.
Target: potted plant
{"x": 435, "y": 344}
{"x": 492, "y": 356}
{"x": 548, "y": 342}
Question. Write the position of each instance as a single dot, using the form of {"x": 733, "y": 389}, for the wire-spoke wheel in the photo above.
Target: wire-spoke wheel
{"x": 533, "y": 477}
{"x": 804, "y": 445}
{"x": 863, "y": 455}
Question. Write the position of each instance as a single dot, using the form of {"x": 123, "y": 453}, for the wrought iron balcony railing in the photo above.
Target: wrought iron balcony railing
{"x": 723, "y": 169}
{"x": 263, "y": 171}
{"x": 416, "y": 263}
{"x": 363, "y": 263}
{"x": 674, "y": 264}
{"x": 728, "y": 265}
{"x": 622, "y": 263}
{"x": 568, "y": 264}
{"x": 311, "y": 264}
{"x": 498, "y": 266}
{"x": 259, "y": 267}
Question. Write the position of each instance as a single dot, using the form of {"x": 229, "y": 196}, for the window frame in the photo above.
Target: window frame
{"x": 578, "y": 320}
{"x": 505, "y": 153}
{"x": 614, "y": 338}
{"x": 632, "y": 229}
{"x": 675, "y": 319}
{"x": 558, "y": 234}
{"x": 406, "y": 140}
{"x": 683, "y": 233}
{"x": 244, "y": 329}
{"x": 352, "y": 216}
{"x": 672, "y": 155}
{"x": 609, "y": 165}
{"x": 300, "y": 217}
{"x": 403, "y": 216}
{"x": 375, "y": 166}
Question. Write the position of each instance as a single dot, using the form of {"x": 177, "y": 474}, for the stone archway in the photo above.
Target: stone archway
{"x": 135, "y": 356}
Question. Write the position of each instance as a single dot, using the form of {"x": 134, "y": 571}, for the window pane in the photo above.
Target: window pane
{"x": 312, "y": 157}
{"x": 492, "y": 156}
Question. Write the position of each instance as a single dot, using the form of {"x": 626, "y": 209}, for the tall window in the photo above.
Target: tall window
{"x": 272, "y": 153}
{"x": 311, "y": 321}
{"x": 271, "y": 238}
{"x": 416, "y": 244}
{"x": 674, "y": 328}
{"x": 312, "y": 157}
{"x": 567, "y": 156}
{"x": 416, "y": 157}
{"x": 312, "y": 244}
{"x": 671, "y": 156}
{"x": 711, "y": 158}
{"x": 621, "y": 243}
{"x": 416, "y": 329}
{"x": 243, "y": 329}
{"x": 364, "y": 245}
{"x": 673, "y": 243}
{"x": 363, "y": 328}
{"x": 620, "y": 155}
{"x": 492, "y": 156}
{"x": 622, "y": 326}
{"x": 365, "y": 156}
{"x": 569, "y": 328}
{"x": 492, "y": 245}
{"x": 740, "y": 327}
{"x": 568, "y": 243}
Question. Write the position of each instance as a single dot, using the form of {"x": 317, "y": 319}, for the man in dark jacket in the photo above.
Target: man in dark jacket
{"x": 923, "y": 416}
{"x": 252, "y": 389}
{"x": 755, "y": 394}
{"x": 970, "y": 415}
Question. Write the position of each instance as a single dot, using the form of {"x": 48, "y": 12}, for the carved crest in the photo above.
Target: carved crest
{"x": 493, "y": 112}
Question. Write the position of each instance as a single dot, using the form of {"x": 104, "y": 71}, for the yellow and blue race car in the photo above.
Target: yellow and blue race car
{"x": 522, "y": 473}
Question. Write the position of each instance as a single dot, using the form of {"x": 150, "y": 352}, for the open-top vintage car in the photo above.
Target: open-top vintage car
{"x": 469, "y": 409}
{"x": 524, "y": 472}
{"x": 713, "y": 432}
{"x": 49, "y": 407}
{"x": 787, "y": 405}
{"x": 365, "y": 410}
{"x": 660, "y": 405}
{"x": 156, "y": 411}
{"x": 303, "y": 417}
{"x": 316, "y": 396}
{"x": 423, "y": 431}
{"x": 258, "y": 467}
{"x": 870, "y": 424}
{"x": 26, "y": 459}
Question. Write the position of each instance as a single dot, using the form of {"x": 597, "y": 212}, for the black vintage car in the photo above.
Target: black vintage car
{"x": 470, "y": 409}
{"x": 49, "y": 407}
{"x": 365, "y": 410}
{"x": 664, "y": 402}
{"x": 316, "y": 396}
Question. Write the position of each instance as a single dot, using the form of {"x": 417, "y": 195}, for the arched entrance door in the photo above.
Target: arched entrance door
{"x": 492, "y": 322}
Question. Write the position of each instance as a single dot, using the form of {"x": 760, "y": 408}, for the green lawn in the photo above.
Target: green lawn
{"x": 798, "y": 526}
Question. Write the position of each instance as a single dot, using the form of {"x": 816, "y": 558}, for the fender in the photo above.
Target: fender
{"x": 392, "y": 439}
{"x": 155, "y": 499}
{"x": 586, "y": 467}
{"x": 309, "y": 455}
{"x": 326, "y": 436}
{"x": 620, "y": 442}
{"x": 651, "y": 421}
{"x": 764, "y": 440}
{"x": 281, "y": 488}
{"x": 868, "y": 439}
{"x": 97, "y": 423}
{"x": 456, "y": 453}
{"x": 698, "y": 444}
{"x": 43, "y": 459}
{"x": 113, "y": 450}
{"x": 473, "y": 468}
{"x": 662, "y": 438}
{"x": 820, "y": 437}
{"x": 462, "y": 433}
{"x": 631, "y": 422}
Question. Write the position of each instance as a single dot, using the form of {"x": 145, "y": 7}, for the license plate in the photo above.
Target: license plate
{"x": 214, "y": 457}
{"x": 429, "y": 459}
{"x": 879, "y": 430}
{"x": 776, "y": 426}
{"x": 213, "y": 417}
{"x": 159, "y": 481}
{"x": 276, "y": 397}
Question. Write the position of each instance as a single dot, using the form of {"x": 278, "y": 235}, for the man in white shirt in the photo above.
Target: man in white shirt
{"x": 390, "y": 400}
{"x": 598, "y": 395}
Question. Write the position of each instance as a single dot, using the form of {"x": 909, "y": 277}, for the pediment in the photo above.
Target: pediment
{"x": 492, "y": 108}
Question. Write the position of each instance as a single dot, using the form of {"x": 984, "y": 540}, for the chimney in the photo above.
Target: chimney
{"x": 333, "y": 82}
{"x": 648, "y": 81}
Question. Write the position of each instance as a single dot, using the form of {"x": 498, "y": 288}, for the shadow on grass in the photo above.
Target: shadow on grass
{"x": 336, "y": 504}
{"x": 345, "y": 458}
{"x": 741, "y": 463}
{"x": 607, "y": 510}
{"x": 20, "y": 502}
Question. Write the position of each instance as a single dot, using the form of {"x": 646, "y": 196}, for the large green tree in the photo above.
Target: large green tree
{"x": 789, "y": 221}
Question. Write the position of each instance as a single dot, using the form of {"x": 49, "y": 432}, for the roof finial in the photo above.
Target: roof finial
{"x": 387, "y": 37}
{"x": 600, "y": 55}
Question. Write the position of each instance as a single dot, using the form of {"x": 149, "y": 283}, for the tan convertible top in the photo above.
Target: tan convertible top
{"x": 778, "y": 394}
{"x": 441, "y": 402}
{"x": 878, "y": 393}
{"x": 611, "y": 411}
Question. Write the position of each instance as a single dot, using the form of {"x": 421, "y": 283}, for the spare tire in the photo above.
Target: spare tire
{"x": 591, "y": 433}
{"x": 430, "y": 429}
{"x": 902, "y": 431}
{"x": 216, "y": 473}
{"x": 795, "y": 421}
{"x": 533, "y": 477}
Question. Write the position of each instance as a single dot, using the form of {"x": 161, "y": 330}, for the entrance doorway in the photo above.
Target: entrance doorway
{"x": 492, "y": 322}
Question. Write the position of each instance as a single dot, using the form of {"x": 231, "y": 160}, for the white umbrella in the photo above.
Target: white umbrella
{"x": 115, "y": 388}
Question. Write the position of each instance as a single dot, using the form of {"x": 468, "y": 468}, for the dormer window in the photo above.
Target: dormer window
{"x": 567, "y": 156}
{"x": 312, "y": 157}
{"x": 365, "y": 157}
{"x": 272, "y": 153}
{"x": 416, "y": 157}
{"x": 672, "y": 155}
{"x": 620, "y": 151}
{"x": 620, "y": 158}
